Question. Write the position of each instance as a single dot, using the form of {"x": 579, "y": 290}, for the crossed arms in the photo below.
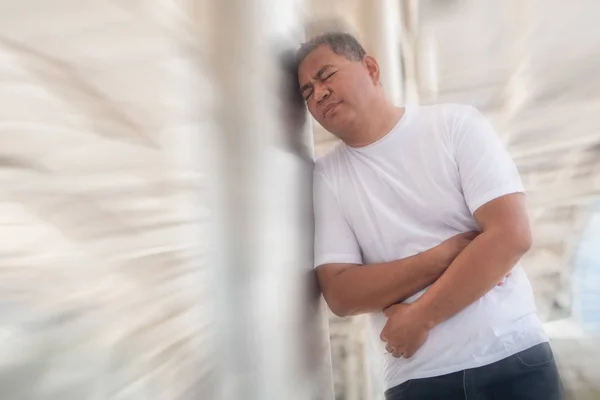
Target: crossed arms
{"x": 454, "y": 266}
{"x": 352, "y": 289}
{"x": 505, "y": 237}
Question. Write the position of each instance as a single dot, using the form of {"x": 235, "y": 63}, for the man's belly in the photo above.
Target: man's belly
{"x": 494, "y": 327}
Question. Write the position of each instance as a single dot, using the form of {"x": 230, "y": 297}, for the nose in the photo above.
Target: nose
{"x": 321, "y": 92}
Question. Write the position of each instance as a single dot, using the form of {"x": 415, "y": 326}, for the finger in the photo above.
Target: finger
{"x": 383, "y": 334}
{"x": 411, "y": 351}
{"x": 388, "y": 311}
{"x": 390, "y": 349}
{"x": 397, "y": 353}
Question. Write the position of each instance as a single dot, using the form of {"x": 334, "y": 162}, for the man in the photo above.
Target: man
{"x": 403, "y": 181}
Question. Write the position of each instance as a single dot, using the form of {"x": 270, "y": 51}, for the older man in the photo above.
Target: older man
{"x": 389, "y": 200}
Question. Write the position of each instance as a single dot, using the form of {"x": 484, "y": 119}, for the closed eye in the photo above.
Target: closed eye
{"x": 325, "y": 79}
{"x": 329, "y": 76}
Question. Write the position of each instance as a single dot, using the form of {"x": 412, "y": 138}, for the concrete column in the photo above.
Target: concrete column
{"x": 410, "y": 36}
{"x": 381, "y": 26}
{"x": 272, "y": 337}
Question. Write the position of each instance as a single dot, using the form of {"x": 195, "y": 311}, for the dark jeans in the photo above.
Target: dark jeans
{"x": 528, "y": 375}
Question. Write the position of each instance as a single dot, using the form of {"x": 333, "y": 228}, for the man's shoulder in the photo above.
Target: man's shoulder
{"x": 324, "y": 164}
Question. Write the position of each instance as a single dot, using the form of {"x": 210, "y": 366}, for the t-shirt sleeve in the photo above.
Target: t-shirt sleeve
{"x": 335, "y": 241}
{"x": 485, "y": 167}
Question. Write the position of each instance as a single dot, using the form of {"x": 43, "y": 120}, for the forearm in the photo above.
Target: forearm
{"x": 369, "y": 288}
{"x": 475, "y": 272}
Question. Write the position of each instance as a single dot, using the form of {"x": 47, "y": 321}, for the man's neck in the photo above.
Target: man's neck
{"x": 379, "y": 120}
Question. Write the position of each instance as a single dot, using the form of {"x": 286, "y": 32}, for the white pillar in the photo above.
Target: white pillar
{"x": 381, "y": 26}
{"x": 272, "y": 343}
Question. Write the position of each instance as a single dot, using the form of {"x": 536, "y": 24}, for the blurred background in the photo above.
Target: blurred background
{"x": 155, "y": 223}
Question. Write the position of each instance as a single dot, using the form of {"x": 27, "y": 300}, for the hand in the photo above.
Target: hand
{"x": 405, "y": 330}
{"x": 449, "y": 249}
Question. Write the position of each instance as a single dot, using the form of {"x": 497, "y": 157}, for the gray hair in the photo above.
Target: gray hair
{"x": 343, "y": 44}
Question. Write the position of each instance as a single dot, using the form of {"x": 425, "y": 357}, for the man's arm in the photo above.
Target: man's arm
{"x": 351, "y": 289}
{"x": 493, "y": 192}
{"x": 505, "y": 238}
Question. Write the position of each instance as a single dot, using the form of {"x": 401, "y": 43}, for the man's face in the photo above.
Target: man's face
{"x": 336, "y": 89}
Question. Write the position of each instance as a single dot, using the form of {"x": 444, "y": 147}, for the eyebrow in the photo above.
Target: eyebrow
{"x": 318, "y": 76}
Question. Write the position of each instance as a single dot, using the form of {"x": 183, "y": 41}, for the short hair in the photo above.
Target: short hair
{"x": 341, "y": 43}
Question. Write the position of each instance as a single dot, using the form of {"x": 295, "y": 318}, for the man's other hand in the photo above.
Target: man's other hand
{"x": 405, "y": 331}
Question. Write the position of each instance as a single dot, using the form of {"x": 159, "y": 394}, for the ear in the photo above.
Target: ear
{"x": 373, "y": 67}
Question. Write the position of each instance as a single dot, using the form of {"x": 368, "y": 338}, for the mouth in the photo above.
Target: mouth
{"x": 329, "y": 107}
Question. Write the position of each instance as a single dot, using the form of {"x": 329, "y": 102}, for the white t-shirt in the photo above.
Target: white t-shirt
{"x": 408, "y": 192}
